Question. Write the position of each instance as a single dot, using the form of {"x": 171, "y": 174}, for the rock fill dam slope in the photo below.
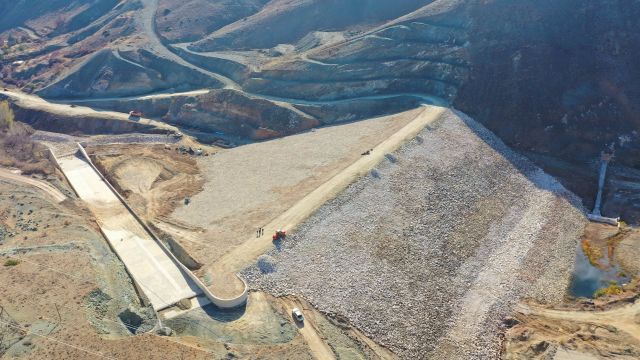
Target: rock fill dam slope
{"x": 429, "y": 252}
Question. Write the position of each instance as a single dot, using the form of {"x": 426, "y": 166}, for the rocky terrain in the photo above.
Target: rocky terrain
{"x": 69, "y": 296}
{"x": 58, "y": 271}
{"x": 296, "y": 64}
{"x": 436, "y": 246}
{"x": 450, "y": 51}
{"x": 453, "y": 228}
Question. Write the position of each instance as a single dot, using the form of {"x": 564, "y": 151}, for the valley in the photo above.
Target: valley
{"x": 416, "y": 177}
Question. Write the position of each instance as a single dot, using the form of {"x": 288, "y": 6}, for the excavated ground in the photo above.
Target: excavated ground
{"x": 66, "y": 287}
{"x": 69, "y": 297}
{"x": 606, "y": 327}
{"x": 432, "y": 250}
{"x": 153, "y": 178}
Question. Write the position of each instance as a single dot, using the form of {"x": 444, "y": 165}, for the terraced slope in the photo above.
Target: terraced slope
{"x": 555, "y": 78}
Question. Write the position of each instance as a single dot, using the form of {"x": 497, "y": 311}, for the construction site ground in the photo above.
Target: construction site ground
{"x": 70, "y": 297}
{"x": 156, "y": 178}
{"x": 64, "y": 295}
{"x": 157, "y": 274}
{"x": 603, "y": 327}
{"x": 231, "y": 193}
{"x": 429, "y": 252}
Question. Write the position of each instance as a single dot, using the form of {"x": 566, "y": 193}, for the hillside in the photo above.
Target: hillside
{"x": 329, "y": 62}
{"x": 412, "y": 175}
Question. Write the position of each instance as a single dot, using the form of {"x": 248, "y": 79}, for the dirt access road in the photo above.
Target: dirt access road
{"x": 319, "y": 348}
{"x": 45, "y": 187}
{"x": 226, "y": 283}
{"x": 623, "y": 318}
{"x": 28, "y": 101}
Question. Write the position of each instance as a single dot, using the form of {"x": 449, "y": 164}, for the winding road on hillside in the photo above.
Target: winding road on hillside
{"x": 21, "y": 179}
{"x": 146, "y": 22}
{"x": 34, "y": 102}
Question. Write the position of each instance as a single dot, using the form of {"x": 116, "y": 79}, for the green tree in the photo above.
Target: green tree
{"x": 6, "y": 115}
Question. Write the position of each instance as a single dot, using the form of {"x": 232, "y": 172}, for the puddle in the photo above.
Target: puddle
{"x": 588, "y": 278}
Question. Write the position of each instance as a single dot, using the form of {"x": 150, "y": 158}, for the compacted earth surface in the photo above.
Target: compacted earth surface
{"x": 430, "y": 251}
{"x": 601, "y": 328}
{"x": 248, "y": 186}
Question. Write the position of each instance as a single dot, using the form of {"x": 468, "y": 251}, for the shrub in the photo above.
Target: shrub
{"x": 592, "y": 253}
{"x": 11, "y": 262}
{"x": 612, "y": 289}
{"x": 6, "y": 115}
{"x": 17, "y": 149}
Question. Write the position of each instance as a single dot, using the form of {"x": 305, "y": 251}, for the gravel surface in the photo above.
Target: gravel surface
{"x": 63, "y": 144}
{"x": 248, "y": 186}
{"x": 133, "y": 138}
{"x": 428, "y": 256}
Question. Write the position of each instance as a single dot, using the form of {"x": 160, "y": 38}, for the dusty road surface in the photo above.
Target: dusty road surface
{"x": 162, "y": 280}
{"x": 28, "y": 101}
{"x": 623, "y": 318}
{"x": 45, "y": 187}
{"x": 223, "y": 271}
{"x": 319, "y": 348}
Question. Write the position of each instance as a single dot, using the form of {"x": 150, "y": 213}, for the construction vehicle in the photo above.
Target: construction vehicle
{"x": 279, "y": 235}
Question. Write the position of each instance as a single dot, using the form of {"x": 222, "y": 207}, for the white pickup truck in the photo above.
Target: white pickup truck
{"x": 297, "y": 315}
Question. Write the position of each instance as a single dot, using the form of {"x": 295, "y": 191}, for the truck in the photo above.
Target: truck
{"x": 135, "y": 114}
{"x": 297, "y": 315}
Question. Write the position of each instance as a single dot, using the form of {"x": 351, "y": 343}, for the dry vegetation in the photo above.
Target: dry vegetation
{"x": 16, "y": 147}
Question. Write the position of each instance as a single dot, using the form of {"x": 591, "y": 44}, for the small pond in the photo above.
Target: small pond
{"x": 588, "y": 278}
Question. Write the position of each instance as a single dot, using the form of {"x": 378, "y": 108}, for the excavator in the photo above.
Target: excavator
{"x": 279, "y": 235}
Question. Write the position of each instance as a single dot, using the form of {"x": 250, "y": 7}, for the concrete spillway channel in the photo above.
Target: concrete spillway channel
{"x": 155, "y": 272}
{"x": 596, "y": 214}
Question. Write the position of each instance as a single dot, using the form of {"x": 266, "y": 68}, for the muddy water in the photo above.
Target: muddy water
{"x": 588, "y": 278}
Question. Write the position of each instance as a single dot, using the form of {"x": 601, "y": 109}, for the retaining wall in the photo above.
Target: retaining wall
{"x": 143, "y": 298}
{"x": 221, "y": 303}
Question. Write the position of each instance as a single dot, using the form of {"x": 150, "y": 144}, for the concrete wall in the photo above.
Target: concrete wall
{"x": 143, "y": 298}
{"x": 219, "y": 302}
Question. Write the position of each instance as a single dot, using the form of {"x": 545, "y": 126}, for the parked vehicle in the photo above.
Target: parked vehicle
{"x": 279, "y": 235}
